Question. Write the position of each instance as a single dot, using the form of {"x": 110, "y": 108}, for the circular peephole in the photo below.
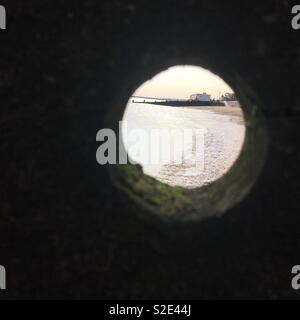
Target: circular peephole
{"x": 194, "y": 148}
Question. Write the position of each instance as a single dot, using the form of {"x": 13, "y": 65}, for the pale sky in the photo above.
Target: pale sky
{"x": 182, "y": 81}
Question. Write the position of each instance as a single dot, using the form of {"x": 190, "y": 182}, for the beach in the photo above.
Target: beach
{"x": 224, "y": 133}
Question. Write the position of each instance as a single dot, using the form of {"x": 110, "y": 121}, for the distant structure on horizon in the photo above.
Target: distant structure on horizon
{"x": 230, "y": 100}
{"x": 201, "y": 97}
{"x": 228, "y": 97}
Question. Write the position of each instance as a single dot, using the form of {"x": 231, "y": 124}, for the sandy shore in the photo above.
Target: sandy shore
{"x": 218, "y": 148}
{"x": 231, "y": 111}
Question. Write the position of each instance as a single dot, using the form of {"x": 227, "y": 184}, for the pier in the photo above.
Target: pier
{"x": 177, "y": 102}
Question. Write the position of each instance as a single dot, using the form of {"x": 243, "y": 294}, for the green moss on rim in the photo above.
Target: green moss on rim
{"x": 157, "y": 197}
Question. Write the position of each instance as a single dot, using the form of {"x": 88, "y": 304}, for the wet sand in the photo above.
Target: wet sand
{"x": 231, "y": 111}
